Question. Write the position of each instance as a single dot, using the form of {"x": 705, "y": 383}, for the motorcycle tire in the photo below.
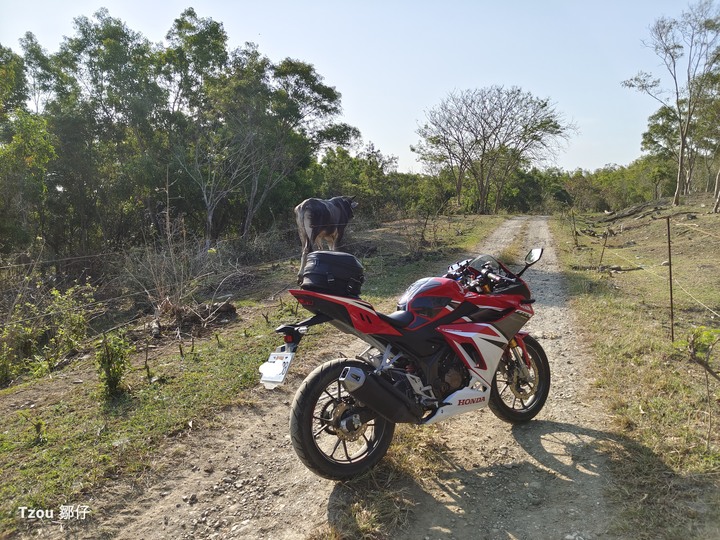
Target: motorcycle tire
{"x": 514, "y": 401}
{"x": 323, "y": 444}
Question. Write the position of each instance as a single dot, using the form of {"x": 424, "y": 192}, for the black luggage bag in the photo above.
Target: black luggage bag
{"x": 333, "y": 272}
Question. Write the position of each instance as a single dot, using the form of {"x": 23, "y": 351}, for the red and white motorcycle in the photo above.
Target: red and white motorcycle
{"x": 454, "y": 345}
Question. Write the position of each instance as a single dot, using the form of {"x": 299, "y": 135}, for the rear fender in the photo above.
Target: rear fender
{"x": 293, "y": 333}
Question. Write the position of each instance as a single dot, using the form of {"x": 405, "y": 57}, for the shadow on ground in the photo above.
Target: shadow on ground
{"x": 563, "y": 487}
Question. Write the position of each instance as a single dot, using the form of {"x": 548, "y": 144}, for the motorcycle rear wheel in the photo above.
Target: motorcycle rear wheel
{"x": 323, "y": 438}
{"x": 516, "y": 399}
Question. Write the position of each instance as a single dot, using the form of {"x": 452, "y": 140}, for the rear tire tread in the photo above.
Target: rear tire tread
{"x": 304, "y": 403}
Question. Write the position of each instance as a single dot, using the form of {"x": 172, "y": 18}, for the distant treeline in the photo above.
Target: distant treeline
{"x": 114, "y": 141}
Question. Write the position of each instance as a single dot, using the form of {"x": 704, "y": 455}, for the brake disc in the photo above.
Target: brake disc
{"x": 517, "y": 383}
{"x": 344, "y": 428}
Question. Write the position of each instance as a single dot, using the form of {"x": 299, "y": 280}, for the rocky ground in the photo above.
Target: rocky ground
{"x": 541, "y": 480}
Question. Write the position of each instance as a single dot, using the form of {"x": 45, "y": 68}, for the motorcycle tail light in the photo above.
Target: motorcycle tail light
{"x": 288, "y": 338}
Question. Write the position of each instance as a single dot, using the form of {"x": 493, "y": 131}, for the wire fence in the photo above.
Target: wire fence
{"x": 645, "y": 266}
{"x": 253, "y": 268}
{"x": 29, "y": 262}
{"x": 31, "y": 285}
{"x": 248, "y": 290}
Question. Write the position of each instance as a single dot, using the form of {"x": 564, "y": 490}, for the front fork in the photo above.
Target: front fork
{"x": 522, "y": 359}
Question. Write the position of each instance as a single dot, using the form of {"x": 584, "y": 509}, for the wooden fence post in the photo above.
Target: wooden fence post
{"x": 672, "y": 306}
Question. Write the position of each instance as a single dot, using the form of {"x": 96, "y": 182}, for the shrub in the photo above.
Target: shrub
{"x": 44, "y": 325}
{"x": 113, "y": 360}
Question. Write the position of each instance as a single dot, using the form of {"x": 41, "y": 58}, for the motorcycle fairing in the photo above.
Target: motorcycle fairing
{"x": 354, "y": 312}
{"x": 484, "y": 339}
{"x": 457, "y": 323}
{"x": 464, "y": 400}
{"x": 435, "y": 301}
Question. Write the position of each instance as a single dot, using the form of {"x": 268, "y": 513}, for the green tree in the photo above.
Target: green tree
{"x": 373, "y": 181}
{"x": 336, "y": 173}
{"x": 100, "y": 96}
{"x": 24, "y": 162}
{"x": 523, "y": 192}
{"x": 13, "y": 88}
{"x": 688, "y": 48}
{"x": 707, "y": 137}
{"x": 39, "y": 72}
{"x": 661, "y": 141}
{"x": 651, "y": 177}
{"x": 584, "y": 193}
{"x": 146, "y": 134}
{"x": 262, "y": 126}
{"x": 196, "y": 53}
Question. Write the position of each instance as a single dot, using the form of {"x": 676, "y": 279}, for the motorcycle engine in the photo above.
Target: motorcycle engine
{"x": 452, "y": 375}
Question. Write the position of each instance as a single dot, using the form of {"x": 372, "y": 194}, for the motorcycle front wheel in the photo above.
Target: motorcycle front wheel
{"x": 324, "y": 430}
{"x": 517, "y": 394}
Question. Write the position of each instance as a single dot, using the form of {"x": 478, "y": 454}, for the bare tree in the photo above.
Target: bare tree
{"x": 688, "y": 48}
{"x": 485, "y": 135}
{"x": 447, "y": 142}
{"x": 218, "y": 164}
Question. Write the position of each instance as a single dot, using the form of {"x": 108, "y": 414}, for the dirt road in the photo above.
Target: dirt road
{"x": 542, "y": 480}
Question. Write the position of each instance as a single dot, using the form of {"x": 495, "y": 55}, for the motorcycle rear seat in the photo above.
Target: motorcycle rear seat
{"x": 398, "y": 319}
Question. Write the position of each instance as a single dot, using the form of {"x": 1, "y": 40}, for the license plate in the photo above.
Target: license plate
{"x": 274, "y": 371}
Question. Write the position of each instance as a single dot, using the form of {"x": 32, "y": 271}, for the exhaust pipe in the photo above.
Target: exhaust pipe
{"x": 380, "y": 396}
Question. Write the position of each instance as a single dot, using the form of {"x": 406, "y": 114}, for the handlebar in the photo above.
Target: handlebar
{"x": 488, "y": 276}
{"x": 477, "y": 280}
{"x": 477, "y": 274}
{"x": 486, "y": 273}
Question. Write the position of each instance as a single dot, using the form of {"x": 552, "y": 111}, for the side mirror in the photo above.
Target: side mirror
{"x": 531, "y": 258}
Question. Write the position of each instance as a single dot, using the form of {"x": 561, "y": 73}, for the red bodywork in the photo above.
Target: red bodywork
{"x": 431, "y": 310}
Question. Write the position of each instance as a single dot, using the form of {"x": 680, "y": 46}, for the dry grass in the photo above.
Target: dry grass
{"x": 377, "y": 505}
{"x": 659, "y": 398}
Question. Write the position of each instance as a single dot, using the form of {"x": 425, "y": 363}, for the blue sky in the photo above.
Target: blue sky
{"x": 394, "y": 60}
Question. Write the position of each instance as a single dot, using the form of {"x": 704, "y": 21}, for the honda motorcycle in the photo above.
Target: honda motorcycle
{"x": 453, "y": 346}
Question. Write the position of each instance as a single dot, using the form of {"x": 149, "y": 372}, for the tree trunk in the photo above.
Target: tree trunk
{"x": 254, "y": 181}
{"x": 680, "y": 175}
{"x": 678, "y": 189}
{"x": 208, "y": 228}
{"x": 459, "y": 184}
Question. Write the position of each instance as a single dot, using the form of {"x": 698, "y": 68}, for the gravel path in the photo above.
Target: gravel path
{"x": 540, "y": 480}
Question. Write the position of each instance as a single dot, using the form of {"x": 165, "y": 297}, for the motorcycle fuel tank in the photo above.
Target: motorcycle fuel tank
{"x": 427, "y": 297}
